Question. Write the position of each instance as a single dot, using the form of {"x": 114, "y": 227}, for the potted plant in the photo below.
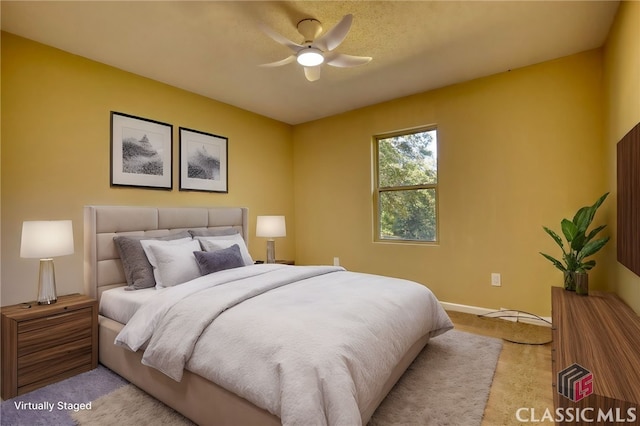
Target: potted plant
{"x": 580, "y": 245}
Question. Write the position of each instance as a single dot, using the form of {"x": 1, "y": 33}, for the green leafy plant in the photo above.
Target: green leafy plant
{"x": 580, "y": 244}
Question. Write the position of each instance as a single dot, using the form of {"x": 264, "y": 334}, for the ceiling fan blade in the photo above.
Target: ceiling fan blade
{"x": 345, "y": 61}
{"x": 332, "y": 38}
{"x": 279, "y": 38}
{"x": 312, "y": 73}
{"x": 280, "y": 63}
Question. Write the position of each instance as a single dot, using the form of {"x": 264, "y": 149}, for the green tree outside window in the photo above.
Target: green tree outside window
{"x": 406, "y": 186}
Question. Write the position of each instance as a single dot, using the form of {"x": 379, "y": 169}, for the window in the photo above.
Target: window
{"x": 406, "y": 186}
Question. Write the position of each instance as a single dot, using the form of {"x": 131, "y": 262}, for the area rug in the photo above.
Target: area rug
{"x": 447, "y": 384}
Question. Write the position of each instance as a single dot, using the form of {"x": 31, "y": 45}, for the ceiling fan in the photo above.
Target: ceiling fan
{"x": 314, "y": 52}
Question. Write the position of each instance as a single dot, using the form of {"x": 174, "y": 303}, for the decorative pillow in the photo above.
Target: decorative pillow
{"x": 222, "y": 242}
{"x": 147, "y": 246}
{"x": 219, "y": 260}
{"x": 212, "y": 232}
{"x": 137, "y": 269}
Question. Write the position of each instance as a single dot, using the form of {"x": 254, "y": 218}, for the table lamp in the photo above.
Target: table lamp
{"x": 43, "y": 240}
{"x": 271, "y": 227}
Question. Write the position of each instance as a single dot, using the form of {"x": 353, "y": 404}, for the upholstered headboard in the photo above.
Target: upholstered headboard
{"x": 102, "y": 266}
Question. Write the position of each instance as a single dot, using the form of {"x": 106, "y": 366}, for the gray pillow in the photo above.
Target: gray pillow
{"x": 219, "y": 260}
{"x": 137, "y": 269}
{"x": 212, "y": 232}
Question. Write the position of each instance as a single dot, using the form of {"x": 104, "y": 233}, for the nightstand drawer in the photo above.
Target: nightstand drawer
{"x": 52, "y": 362}
{"x": 43, "y": 333}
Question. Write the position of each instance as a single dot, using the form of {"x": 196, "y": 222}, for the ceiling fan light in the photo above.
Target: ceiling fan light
{"x": 310, "y": 57}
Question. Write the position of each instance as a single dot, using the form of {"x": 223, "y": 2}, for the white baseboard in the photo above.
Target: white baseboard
{"x": 515, "y": 315}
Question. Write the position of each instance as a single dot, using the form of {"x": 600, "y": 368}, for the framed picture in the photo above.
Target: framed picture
{"x": 141, "y": 152}
{"x": 203, "y": 161}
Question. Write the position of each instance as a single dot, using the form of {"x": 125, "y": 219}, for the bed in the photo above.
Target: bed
{"x": 255, "y": 299}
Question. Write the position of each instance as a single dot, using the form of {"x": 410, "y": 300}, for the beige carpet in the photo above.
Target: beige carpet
{"x": 129, "y": 406}
{"x": 447, "y": 384}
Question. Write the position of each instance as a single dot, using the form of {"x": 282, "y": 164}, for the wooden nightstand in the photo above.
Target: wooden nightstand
{"x": 42, "y": 344}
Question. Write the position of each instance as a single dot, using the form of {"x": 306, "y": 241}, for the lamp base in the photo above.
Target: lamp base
{"x": 47, "y": 283}
{"x": 271, "y": 251}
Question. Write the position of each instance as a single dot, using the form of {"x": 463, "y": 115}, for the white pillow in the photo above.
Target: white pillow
{"x": 225, "y": 241}
{"x": 176, "y": 263}
{"x": 151, "y": 255}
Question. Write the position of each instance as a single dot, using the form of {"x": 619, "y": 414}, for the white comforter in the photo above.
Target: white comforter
{"x": 311, "y": 344}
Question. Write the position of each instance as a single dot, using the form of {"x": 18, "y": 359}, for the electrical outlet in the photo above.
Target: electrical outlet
{"x": 336, "y": 261}
{"x": 496, "y": 280}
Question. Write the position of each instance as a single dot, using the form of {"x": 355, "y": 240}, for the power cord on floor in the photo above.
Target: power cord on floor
{"x": 517, "y": 316}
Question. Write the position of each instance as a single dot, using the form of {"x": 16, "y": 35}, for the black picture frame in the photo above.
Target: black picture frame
{"x": 141, "y": 152}
{"x": 204, "y": 160}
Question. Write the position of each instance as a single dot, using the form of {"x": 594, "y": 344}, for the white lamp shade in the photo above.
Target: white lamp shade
{"x": 271, "y": 227}
{"x": 45, "y": 239}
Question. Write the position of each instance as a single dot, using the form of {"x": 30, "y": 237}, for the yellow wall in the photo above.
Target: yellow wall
{"x": 517, "y": 150}
{"x": 622, "y": 86}
{"x": 55, "y": 153}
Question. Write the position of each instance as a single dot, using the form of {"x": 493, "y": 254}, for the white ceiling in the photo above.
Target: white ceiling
{"x": 213, "y": 48}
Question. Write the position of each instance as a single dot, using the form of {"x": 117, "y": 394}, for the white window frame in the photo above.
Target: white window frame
{"x": 377, "y": 190}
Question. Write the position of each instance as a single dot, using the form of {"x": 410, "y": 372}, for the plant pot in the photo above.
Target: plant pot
{"x": 570, "y": 281}
{"x": 582, "y": 283}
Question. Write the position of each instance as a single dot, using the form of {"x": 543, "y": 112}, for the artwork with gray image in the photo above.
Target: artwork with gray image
{"x": 203, "y": 161}
{"x": 142, "y": 152}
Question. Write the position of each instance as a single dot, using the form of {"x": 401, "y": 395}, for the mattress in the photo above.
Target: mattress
{"x": 119, "y": 304}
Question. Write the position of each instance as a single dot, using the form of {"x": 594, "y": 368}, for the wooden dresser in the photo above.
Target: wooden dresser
{"x": 42, "y": 344}
{"x": 602, "y": 334}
